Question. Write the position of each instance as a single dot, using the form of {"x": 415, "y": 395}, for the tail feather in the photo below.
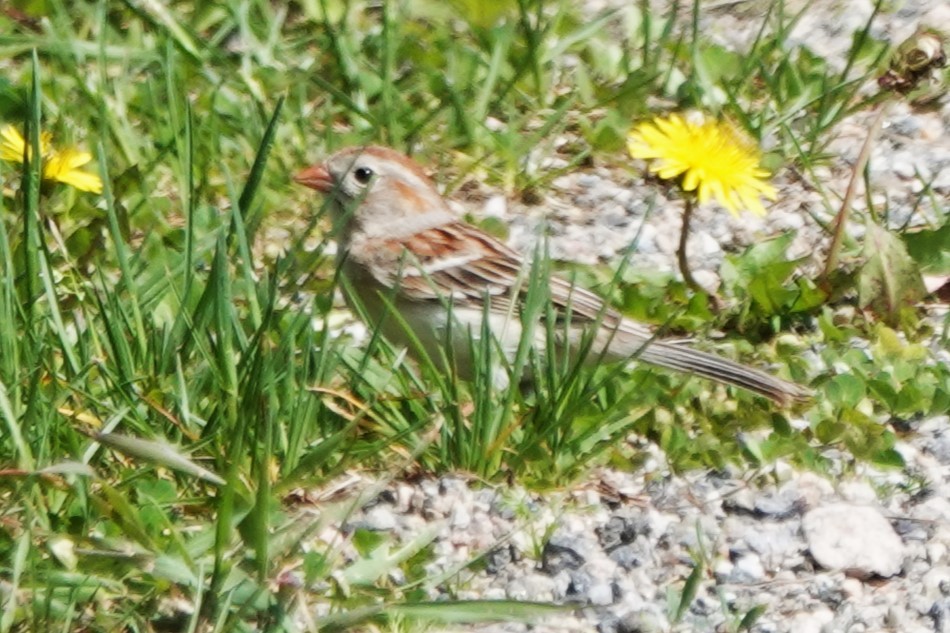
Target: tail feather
{"x": 679, "y": 357}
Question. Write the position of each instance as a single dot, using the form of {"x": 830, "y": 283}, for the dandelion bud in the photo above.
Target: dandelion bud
{"x": 916, "y": 64}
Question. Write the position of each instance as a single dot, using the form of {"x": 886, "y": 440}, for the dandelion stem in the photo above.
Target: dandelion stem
{"x": 681, "y": 249}
{"x": 841, "y": 218}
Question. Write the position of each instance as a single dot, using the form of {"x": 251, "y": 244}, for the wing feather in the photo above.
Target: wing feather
{"x": 456, "y": 261}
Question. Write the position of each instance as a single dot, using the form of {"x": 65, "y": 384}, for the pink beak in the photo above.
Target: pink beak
{"x": 316, "y": 177}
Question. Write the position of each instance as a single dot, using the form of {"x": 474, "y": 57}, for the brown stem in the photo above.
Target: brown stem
{"x": 681, "y": 249}
{"x": 841, "y": 218}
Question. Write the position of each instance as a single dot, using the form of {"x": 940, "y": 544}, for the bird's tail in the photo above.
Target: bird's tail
{"x": 678, "y": 356}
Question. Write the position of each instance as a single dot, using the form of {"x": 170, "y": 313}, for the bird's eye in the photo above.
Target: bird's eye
{"x": 362, "y": 174}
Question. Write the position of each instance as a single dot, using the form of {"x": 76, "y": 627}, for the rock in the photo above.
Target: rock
{"x": 578, "y": 590}
{"x": 643, "y": 622}
{"x": 531, "y": 587}
{"x": 778, "y": 544}
{"x": 782, "y": 505}
{"x": 857, "y": 492}
{"x": 747, "y": 569}
{"x": 905, "y": 125}
{"x": 588, "y": 181}
{"x": 854, "y": 539}
{"x": 811, "y": 621}
{"x": 496, "y": 207}
{"x": 910, "y": 530}
{"x": 903, "y": 165}
{"x": 722, "y": 571}
{"x": 405, "y": 495}
{"x": 461, "y": 517}
{"x": 608, "y": 623}
{"x": 812, "y": 489}
{"x": 499, "y": 558}
{"x": 628, "y": 557}
{"x": 740, "y": 502}
{"x": 942, "y": 181}
{"x": 940, "y": 614}
{"x": 601, "y": 594}
{"x": 703, "y": 245}
{"x": 779, "y": 505}
{"x": 555, "y": 558}
{"x": 380, "y": 518}
{"x": 936, "y": 553}
{"x": 829, "y": 589}
{"x": 619, "y": 530}
{"x": 852, "y": 588}
{"x": 707, "y": 279}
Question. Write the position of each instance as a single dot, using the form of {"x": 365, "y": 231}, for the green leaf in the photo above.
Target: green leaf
{"x": 930, "y": 249}
{"x": 124, "y": 513}
{"x": 889, "y": 279}
{"x": 13, "y": 101}
{"x": 809, "y": 296}
{"x": 751, "y": 617}
{"x": 68, "y": 467}
{"x": 689, "y": 590}
{"x": 829, "y": 431}
{"x": 884, "y": 391}
{"x": 768, "y": 291}
{"x": 767, "y": 252}
{"x": 478, "y": 611}
{"x": 829, "y": 329}
{"x": 365, "y": 541}
{"x": 175, "y": 569}
{"x": 845, "y": 390}
{"x": 715, "y": 64}
{"x": 483, "y": 14}
{"x": 381, "y": 560}
{"x": 888, "y": 457}
{"x": 157, "y": 453}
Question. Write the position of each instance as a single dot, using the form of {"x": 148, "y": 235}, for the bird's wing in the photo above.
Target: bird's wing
{"x": 460, "y": 262}
{"x": 452, "y": 261}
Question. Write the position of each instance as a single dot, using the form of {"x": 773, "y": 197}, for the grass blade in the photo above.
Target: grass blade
{"x": 160, "y": 453}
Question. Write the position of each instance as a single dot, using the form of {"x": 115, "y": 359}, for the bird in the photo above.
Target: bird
{"x": 428, "y": 279}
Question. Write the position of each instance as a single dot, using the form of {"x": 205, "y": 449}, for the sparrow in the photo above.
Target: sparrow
{"x": 429, "y": 279}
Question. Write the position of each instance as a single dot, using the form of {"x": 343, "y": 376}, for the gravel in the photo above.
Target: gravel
{"x": 813, "y": 554}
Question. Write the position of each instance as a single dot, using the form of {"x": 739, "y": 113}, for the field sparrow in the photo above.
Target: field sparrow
{"x": 402, "y": 249}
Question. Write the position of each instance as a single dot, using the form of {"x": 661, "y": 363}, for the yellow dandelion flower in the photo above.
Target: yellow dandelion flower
{"x": 712, "y": 157}
{"x": 63, "y": 166}
{"x": 12, "y": 144}
{"x": 58, "y": 165}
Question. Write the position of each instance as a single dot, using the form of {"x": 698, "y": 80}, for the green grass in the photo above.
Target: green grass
{"x": 172, "y": 364}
